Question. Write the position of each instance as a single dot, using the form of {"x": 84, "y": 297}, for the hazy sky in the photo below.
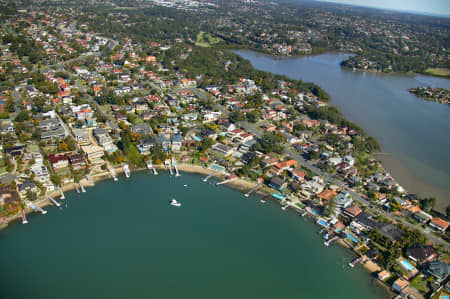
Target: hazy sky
{"x": 441, "y": 7}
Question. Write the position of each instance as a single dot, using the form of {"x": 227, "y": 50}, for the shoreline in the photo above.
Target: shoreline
{"x": 237, "y": 183}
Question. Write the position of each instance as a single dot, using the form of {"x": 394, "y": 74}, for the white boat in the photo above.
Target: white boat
{"x": 284, "y": 207}
{"x": 185, "y": 185}
{"x": 175, "y": 203}
{"x": 262, "y": 201}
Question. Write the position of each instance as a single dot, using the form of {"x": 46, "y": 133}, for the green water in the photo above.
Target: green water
{"x": 123, "y": 240}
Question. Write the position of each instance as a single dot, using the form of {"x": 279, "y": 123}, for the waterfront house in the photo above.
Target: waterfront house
{"x": 278, "y": 183}
{"x": 383, "y": 275}
{"x": 399, "y": 285}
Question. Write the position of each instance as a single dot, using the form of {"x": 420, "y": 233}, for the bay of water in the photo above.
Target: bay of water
{"x": 123, "y": 240}
{"x": 414, "y": 133}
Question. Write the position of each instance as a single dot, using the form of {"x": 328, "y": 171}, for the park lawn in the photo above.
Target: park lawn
{"x": 206, "y": 40}
{"x": 441, "y": 72}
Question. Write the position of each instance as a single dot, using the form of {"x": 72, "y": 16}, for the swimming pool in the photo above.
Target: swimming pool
{"x": 278, "y": 196}
{"x": 407, "y": 265}
{"x": 217, "y": 167}
{"x": 353, "y": 238}
{"x": 322, "y": 222}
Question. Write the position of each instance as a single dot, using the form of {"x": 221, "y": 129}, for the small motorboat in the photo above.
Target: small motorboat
{"x": 185, "y": 185}
{"x": 262, "y": 201}
{"x": 284, "y": 208}
{"x": 175, "y": 203}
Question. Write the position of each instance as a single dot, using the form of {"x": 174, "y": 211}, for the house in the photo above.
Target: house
{"x": 343, "y": 200}
{"x": 248, "y": 157}
{"x": 298, "y": 175}
{"x": 177, "y": 142}
{"x": 208, "y": 133}
{"x": 326, "y": 195}
{"x": 278, "y": 183}
{"x": 82, "y": 136}
{"x": 77, "y": 161}
{"x": 269, "y": 161}
{"x": 143, "y": 129}
{"x": 93, "y": 153}
{"x": 145, "y": 145}
{"x": 285, "y": 164}
{"x": 26, "y": 186}
{"x": 223, "y": 149}
{"x": 8, "y": 128}
{"x": 422, "y": 217}
{"x": 48, "y": 124}
{"x": 421, "y": 253}
{"x": 58, "y": 161}
{"x": 352, "y": 211}
{"x": 383, "y": 275}
{"x": 399, "y": 285}
{"x": 440, "y": 270}
{"x": 439, "y": 224}
{"x": 8, "y": 195}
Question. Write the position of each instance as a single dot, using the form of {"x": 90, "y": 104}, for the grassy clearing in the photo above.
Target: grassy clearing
{"x": 206, "y": 40}
{"x": 441, "y": 72}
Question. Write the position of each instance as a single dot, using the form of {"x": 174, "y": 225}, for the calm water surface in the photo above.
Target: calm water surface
{"x": 123, "y": 240}
{"x": 414, "y": 133}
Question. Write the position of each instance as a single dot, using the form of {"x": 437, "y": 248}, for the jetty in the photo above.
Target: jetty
{"x": 168, "y": 166}
{"x": 113, "y": 174}
{"x": 36, "y": 208}
{"x": 227, "y": 180}
{"x": 24, "y": 218}
{"x": 355, "y": 261}
{"x": 62, "y": 193}
{"x": 174, "y": 164}
{"x": 150, "y": 167}
{"x": 209, "y": 176}
{"x": 54, "y": 201}
{"x": 327, "y": 243}
{"x": 252, "y": 190}
{"x": 82, "y": 188}
{"x": 126, "y": 170}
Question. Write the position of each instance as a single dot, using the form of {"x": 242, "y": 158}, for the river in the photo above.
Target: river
{"x": 123, "y": 240}
{"x": 413, "y": 133}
